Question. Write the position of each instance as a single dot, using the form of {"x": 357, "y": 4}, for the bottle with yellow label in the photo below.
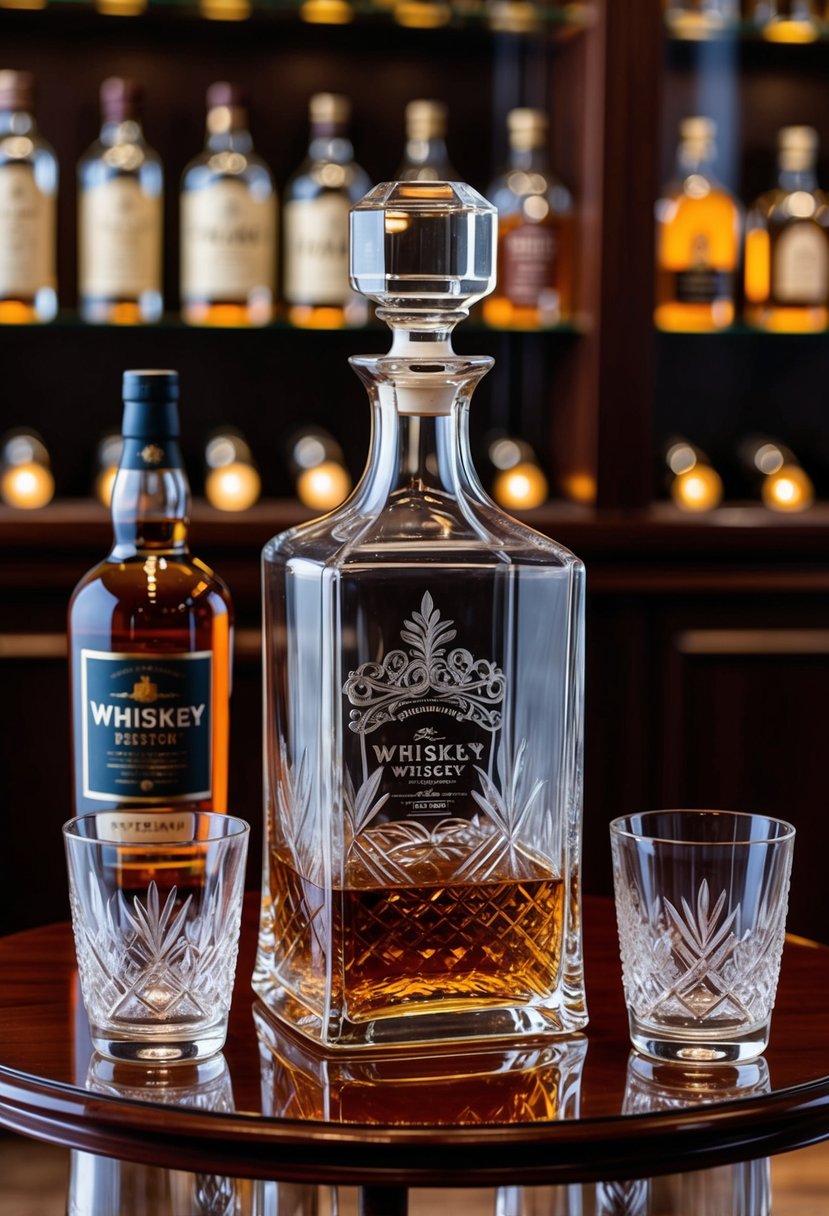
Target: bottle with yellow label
{"x": 787, "y": 243}
{"x": 698, "y": 228}
{"x": 28, "y": 197}
{"x": 317, "y": 202}
{"x": 536, "y": 233}
{"x": 228, "y": 222}
{"x": 120, "y": 220}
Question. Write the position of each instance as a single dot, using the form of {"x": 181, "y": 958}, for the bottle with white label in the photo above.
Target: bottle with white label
{"x": 228, "y": 222}
{"x": 536, "y": 233}
{"x": 28, "y": 196}
{"x": 423, "y": 658}
{"x": 120, "y": 220}
{"x": 317, "y": 199}
{"x": 787, "y": 243}
{"x": 150, "y": 635}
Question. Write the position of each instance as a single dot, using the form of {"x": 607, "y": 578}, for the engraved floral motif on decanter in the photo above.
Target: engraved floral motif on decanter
{"x": 423, "y": 700}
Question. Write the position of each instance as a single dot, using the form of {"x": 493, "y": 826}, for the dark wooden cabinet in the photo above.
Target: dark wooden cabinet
{"x": 707, "y": 650}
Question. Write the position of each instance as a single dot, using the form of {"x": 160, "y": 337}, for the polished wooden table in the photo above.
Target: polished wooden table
{"x": 581, "y": 1109}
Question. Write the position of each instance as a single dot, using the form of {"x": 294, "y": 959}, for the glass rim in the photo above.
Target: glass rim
{"x": 241, "y": 828}
{"x": 621, "y": 828}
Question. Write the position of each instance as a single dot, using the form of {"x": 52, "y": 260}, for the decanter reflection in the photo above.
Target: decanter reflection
{"x": 423, "y": 700}
{"x": 520, "y": 1084}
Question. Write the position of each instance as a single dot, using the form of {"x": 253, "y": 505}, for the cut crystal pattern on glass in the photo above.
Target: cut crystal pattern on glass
{"x": 423, "y": 699}
{"x": 694, "y": 962}
{"x": 142, "y": 961}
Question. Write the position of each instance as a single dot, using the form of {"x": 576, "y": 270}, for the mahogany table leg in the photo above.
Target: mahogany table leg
{"x": 384, "y": 1200}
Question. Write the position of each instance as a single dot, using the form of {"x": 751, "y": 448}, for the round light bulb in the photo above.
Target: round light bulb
{"x": 27, "y": 486}
{"x": 523, "y": 486}
{"x": 324, "y": 486}
{"x": 698, "y": 489}
{"x": 789, "y": 489}
{"x": 233, "y": 487}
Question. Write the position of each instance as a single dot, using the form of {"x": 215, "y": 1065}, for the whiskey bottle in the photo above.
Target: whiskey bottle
{"x": 228, "y": 222}
{"x": 150, "y": 633}
{"x": 423, "y": 698}
{"x": 536, "y": 233}
{"x": 120, "y": 221}
{"x": 787, "y": 243}
{"x": 317, "y": 199}
{"x": 425, "y": 158}
{"x": 28, "y": 196}
{"x": 698, "y": 230}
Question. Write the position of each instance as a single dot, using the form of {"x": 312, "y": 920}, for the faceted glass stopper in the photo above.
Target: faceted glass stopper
{"x": 423, "y": 247}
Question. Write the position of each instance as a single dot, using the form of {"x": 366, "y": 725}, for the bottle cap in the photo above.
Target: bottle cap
{"x": 423, "y": 247}
{"x": 698, "y": 129}
{"x": 425, "y": 119}
{"x": 223, "y": 93}
{"x": 797, "y": 148}
{"x": 527, "y": 128}
{"x": 16, "y": 90}
{"x": 325, "y": 108}
{"x": 150, "y": 404}
{"x": 121, "y": 99}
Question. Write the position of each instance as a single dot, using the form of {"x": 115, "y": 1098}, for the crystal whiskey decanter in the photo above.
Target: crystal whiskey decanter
{"x": 423, "y": 698}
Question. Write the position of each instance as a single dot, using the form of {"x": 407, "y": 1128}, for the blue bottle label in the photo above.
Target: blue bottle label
{"x": 146, "y": 726}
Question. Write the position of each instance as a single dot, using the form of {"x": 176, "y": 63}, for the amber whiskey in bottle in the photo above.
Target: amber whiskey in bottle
{"x": 536, "y": 233}
{"x": 698, "y": 229}
{"x": 787, "y": 243}
{"x": 120, "y": 220}
{"x": 150, "y": 635}
{"x": 228, "y": 222}
{"x": 28, "y": 198}
{"x": 317, "y": 201}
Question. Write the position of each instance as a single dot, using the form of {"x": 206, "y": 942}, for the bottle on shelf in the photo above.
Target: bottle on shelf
{"x": 700, "y": 19}
{"x": 317, "y": 200}
{"x": 425, "y": 158}
{"x": 698, "y": 231}
{"x": 28, "y": 206}
{"x": 795, "y": 21}
{"x": 120, "y": 215}
{"x": 787, "y": 243}
{"x": 423, "y": 698}
{"x": 228, "y": 222}
{"x": 150, "y": 636}
{"x": 536, "y": 233}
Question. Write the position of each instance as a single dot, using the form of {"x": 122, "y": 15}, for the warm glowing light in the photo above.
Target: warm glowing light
{"x": 233, "y": 487}
{"x": 225, "y": 10}
{"x": 797, "y": 31}
{"x": 103, "y": 485}
{"x": 324, "y": 486}
{"x": 579, "y": 487}
{"x": 121, "y": 8}
{"x": 790, "y": 489}
{"x": 523, "y": 486}
{"x": 27, "y": 485}
{"x": 326, "y": 12}
{"x": 698, "y": 489}
{"x": 422, "y": 14}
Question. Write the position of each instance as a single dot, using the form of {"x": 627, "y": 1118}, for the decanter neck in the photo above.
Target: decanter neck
{"x": 420, "y": 427}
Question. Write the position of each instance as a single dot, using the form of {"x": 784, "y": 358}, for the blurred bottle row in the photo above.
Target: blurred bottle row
{"x": 230, "y": 221}
{"x": 706, "y": 245}
{"x": 775, "y": 20}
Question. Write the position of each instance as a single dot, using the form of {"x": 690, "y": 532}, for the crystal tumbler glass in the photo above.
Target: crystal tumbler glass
{"x": 156, "y": 907}
{"x": 701, "y": 900}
